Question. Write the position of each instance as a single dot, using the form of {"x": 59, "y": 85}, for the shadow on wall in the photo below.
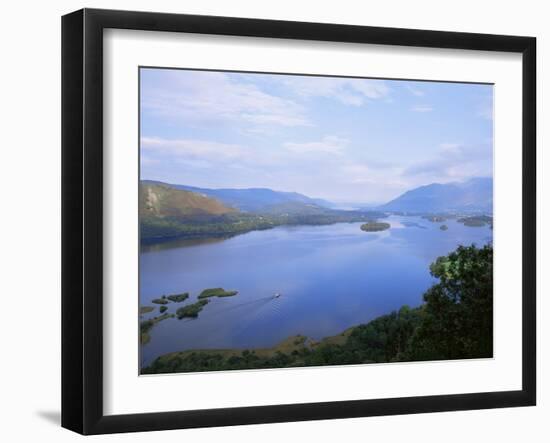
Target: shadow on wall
{"x": 54, "y": 417}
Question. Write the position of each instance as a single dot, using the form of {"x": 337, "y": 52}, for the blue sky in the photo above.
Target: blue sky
{"x": 342, "y": 139}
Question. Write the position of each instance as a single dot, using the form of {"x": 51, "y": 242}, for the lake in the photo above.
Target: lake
{"x": 329, "y": 277}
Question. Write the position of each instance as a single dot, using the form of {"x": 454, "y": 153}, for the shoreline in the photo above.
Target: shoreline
{"x": 215, "y": 235}
{"x": 151, "y": 241}
{"x": 289, "y": 344}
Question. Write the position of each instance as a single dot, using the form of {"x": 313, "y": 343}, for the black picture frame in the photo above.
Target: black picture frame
{"x": 82, "y": 219}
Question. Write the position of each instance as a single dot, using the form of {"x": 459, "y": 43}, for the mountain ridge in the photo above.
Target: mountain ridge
{"x": 249, "y": 199}
{"x": 473, "y": 195}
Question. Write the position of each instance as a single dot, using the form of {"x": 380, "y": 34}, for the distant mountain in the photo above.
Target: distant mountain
{"x": 296, "y": 208}
{"x": 474, "y": 195}
{"x": 159, "y": 200}
{"x": 171, "y": 211}
{"x": 253, "y": 199}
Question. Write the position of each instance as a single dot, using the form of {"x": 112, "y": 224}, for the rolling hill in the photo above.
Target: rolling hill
{"x": 158, "y": 200}
{"x": 252, "y": 199}
{"x": 472, "y": 196}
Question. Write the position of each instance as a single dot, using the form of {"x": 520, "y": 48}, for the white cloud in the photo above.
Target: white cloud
{"x": 213, "y": 96}
{"x": 205, "y": 153}
{"x": 372, "y": 174}
{"x": 275, "y": 119}
{"x": 357, "y": 173}
{"x": 415, "y": 91}
{"x": 148, "y": 161}
{"x": 453, "y": 162}
{"x": 329, "y": 145}
{"x": 422, "y": 108}
{"x": 369, "y": 88}
{"x": 350, "y": 91}
{"x": 451, "y": 148}
{"x": 192, "y": 148}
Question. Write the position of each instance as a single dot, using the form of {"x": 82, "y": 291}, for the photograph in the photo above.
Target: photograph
{"x": 291, "y": 221}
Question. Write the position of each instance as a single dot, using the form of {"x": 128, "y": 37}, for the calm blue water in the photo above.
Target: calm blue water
{"x": 330, "y": 277}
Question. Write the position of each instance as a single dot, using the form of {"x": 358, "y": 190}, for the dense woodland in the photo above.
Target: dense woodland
{"x": 455, "y": 321}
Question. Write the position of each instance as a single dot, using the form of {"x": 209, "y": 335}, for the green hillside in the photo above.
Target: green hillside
{"x": 164, "y": 201}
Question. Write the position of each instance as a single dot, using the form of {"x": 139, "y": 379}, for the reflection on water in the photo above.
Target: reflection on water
{"x": 408, "y": 224}
{"x": 329, "y": 277}
{"x": 161, "y": 245}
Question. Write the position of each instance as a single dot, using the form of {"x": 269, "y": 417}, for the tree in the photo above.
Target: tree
{"x": 458, "y": 321}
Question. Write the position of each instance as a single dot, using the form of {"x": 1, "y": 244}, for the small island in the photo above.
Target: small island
{"x": 178, "y": 298}
{"x": 216, "y": 292}
{"x": 443, "y": 227}
{"x": 160, "y": 301}
{"x": 191, "y": 310}
{"x": 145, "y": 309}
{"x": 476, "y": 221}
{"x": 375, "y": 226}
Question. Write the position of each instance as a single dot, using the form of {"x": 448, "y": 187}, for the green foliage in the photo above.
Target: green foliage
{"x": 459, "y": 309}
{"x": 216, "y": 292}
{"x": 454, "y": 322}
{"x": 191, "y": 310}
{"x": 145, "y": 309}
{"x": 375, "y": 226}
{"x": 178, "y": 298}
{"x": 225, "y": 225}
{"x": 160, "y": 301}
{"x": 146, "y": 326}
{"x": 386, "y": 338}
{"x": 163, "y": 309}
{"x": 476, "y": 221}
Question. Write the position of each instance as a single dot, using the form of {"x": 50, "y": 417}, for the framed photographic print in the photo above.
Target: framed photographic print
{"x": 269, "y": 221}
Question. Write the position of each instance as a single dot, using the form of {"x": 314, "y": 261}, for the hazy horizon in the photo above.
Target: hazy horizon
{"x": 340, "y": 139}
